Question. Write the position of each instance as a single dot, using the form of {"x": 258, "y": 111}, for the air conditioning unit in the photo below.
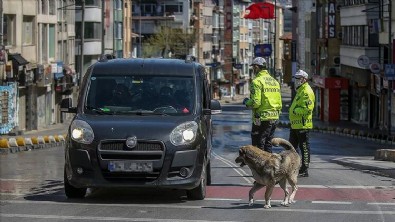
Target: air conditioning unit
{"x": 334, "y": 71}
{"x": 336, "y": 60}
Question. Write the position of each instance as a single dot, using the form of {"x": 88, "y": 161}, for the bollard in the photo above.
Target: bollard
{"x": 4, "y": 143}
{"x": 46, "y": 139}
{"x": 61, "y": 138}
{"x": 51, "y": 139}
{"x": 28, "y": 141}
{"x": 12, "y": 142}
{"x": 21, "y": 141}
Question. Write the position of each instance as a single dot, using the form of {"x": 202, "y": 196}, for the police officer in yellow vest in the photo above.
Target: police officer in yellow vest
{"x": 301, "y": 118}
{"x": 265, "y": 102}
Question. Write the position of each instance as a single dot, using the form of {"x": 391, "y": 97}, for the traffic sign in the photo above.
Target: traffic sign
{"x": 263, "y": 50}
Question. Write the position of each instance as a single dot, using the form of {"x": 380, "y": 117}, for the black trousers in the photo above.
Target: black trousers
{"x": 262, "y": 135}
{"x": 299, "y": 138}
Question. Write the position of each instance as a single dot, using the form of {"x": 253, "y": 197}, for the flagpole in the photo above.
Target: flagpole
{"x": 275, "y": 32}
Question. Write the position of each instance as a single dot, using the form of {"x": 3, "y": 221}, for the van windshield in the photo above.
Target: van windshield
{"x": 140, "y": 95}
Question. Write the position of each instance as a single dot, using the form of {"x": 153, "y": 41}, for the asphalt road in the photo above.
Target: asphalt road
{"x": 31, "y": 187}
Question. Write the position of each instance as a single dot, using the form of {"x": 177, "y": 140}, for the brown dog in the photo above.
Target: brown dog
{"x": 268, "y": 169}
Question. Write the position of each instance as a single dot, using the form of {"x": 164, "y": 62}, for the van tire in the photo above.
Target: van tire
{"x": 71, "y": 191}
{"x": 199, "y": 192}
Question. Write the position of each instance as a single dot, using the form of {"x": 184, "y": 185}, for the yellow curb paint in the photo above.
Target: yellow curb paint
{"x": 34, "y": 140}
{"x": 56, "y": 138}
{"x": 4, "y": 143}
{"x": 20, "y": 141}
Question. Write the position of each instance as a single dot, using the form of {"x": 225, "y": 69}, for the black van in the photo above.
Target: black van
{"x": 141, "y": 123}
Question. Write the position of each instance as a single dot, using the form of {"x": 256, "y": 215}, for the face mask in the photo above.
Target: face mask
{"x": 298, "y": 82}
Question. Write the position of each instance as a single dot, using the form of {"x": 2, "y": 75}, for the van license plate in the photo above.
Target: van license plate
{"x": 130, "y": 166}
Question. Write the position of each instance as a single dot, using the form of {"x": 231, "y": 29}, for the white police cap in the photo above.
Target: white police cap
{"x": 301, "y": 73}
{"x": 258, "y": 61}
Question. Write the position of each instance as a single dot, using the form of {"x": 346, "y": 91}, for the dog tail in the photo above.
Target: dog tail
{"x": 284, "y": 143}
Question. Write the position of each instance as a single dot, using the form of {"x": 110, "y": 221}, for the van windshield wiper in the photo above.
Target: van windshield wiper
{"x": 142, "y": 112}
{"x": 100, "y": 111}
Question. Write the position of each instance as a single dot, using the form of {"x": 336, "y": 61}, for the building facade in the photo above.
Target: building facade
{"x": 38, "y": 39}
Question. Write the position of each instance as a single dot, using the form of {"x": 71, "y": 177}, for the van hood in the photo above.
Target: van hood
{"x": 107, "y": 127}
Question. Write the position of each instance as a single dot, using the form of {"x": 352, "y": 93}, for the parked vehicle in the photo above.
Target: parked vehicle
{"x": 141, "y": 123}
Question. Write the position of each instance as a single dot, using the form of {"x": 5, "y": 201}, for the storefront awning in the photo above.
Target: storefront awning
{"x": 18, "y": 59}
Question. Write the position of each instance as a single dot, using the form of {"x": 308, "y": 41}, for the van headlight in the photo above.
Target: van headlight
{"x": 184, "y": 133}
{"x": 82, "y": 132}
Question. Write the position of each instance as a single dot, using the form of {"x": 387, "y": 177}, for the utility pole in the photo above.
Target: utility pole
{"x": 275, "y": 36}
{"x": 82, "y": 40}
{"x": 390, "y": 61}
{"x": 1, "y": 22}
{"x": 103, "y": 31}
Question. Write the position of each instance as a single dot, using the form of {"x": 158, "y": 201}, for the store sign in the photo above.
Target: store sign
{"x": 389, "y": 71}
{"x": 331, "y": 20}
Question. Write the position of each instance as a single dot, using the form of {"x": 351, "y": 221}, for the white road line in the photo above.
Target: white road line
{"x": 363, "y": 212}
{"x": 239, "y": 171}
{"x": 390, "y": 204}
{"x": 222, "y": 199}
{"x": 330, "y": 202}
{"x": 323, "y": 186}
{"x": 10, "y": 179}
{"x": 58, "y": 217}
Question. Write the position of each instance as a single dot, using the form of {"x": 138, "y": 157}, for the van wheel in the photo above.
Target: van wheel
{"x": 73, "y": 192}
{"x": 199, "y": 192}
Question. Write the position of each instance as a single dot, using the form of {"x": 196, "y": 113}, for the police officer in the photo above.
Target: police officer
{"x": 265, "y": 102}
{"x": 301, "y": 118}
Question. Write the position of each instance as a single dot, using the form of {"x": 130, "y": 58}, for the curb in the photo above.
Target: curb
{"x": 368, "y": 168}
{"x": 20, "y": 144}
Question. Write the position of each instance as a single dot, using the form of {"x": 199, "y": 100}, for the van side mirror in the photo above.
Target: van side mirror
{"x": 66, "y": 106}
{"x": 215, "y": 108}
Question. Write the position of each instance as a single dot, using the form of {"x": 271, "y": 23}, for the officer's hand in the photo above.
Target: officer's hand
{"x": 245, "y": 101}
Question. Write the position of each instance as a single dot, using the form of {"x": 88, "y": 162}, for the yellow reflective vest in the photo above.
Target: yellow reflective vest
{"x": 265, "y": 97}
{"x": 301, "y": 110}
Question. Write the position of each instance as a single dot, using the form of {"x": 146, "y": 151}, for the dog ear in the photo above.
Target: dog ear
{"x": 242, "y": 151}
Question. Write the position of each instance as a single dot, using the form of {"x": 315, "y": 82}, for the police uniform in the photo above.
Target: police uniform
{"x": 266, "y": 104}
{"x": 301, "y": 119}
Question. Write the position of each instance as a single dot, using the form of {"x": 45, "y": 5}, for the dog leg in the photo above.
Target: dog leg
{"x": 268, "y": 194}
{"x": 292, "y": 181}
{"x": 283, "y": 185}
{"x": 254, "y": 189}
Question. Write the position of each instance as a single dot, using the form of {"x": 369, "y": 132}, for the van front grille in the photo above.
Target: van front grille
{"x": 141, "y": 146}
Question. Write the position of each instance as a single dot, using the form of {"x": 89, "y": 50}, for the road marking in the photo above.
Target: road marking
{"x": 364, "y": 212}
{"x": 319, "y": 186}
{"x": 57, "y": 217}
{"x": 10, "y": 179}
{"x": 222, "y": 199}
{"x": 391, "y": 204}
{"x": 238, "y": 170}
{"x": 330, "y": 202}
{"x": 328, "y": 211}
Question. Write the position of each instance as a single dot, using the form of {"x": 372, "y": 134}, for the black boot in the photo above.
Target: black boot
{"x": 303, "y": 172}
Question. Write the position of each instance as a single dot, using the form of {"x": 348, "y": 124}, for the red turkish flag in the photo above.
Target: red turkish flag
{"x": 264, "y": 10}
